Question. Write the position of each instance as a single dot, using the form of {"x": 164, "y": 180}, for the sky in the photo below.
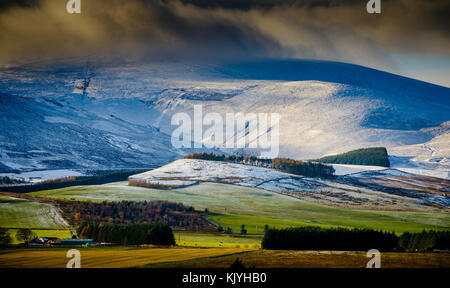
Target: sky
{"x": 409, "y": 37}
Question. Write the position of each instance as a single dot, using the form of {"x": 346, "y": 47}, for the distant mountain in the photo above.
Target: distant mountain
{"x": 70, "y": 114}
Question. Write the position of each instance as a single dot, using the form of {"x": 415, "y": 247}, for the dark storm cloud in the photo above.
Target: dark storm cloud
{"x": 333, "y": 30}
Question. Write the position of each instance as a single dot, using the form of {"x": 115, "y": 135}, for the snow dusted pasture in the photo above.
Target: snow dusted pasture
{"x": 38, "y": 176}
{"x": 344, "y": 169}
{"x": 193, "y": 170}
{"x": 253, "y": 206}
{"x": 20, "y": 213}
{"x": 430, "y": 159}
{"x": 357, "y": 188}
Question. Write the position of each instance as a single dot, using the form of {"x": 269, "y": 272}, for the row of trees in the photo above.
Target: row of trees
{"x": 426, "y": 240}
{"x": 308, "y": 169}
{"x": 124, "y": 212}
{"x": 214, "y": 157}
{"x": 5, "y": 238}
{"x": 229, "y": 158}
{"x": 153, "y": 185}
{"x": 368, "y": 156}
{"x": 228, "y": 230}
{"x": 9, "y": 181}
{"x": 243, "y": 230}
{"x": 316, "y": 238}
{"x": 130, "y": 234}
{"x": 22, "y": 235}
{"x": 74, "y": 181}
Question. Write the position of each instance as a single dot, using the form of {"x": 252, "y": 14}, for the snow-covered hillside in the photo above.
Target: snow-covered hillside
{"x": 430, "y": 158}
{"x": 369, "y": 188}
{"x": 42, "y": 135}
{"x": 345, "y": 169}
{"x": 69, "y": 115}
{"x": 192, "y": 171}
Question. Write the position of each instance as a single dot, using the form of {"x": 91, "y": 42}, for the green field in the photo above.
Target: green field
{"x": 61, "y": 234}
{"x": 255, "y": 207}
{"x": 21, "y": 213}
{"x": 218, "y": 240}
{"x": 398, "y": 222}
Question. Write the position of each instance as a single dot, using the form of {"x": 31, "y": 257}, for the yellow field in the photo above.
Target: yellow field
{"x": 183, "y": 257}
{"x": 109, "y": 258}
{"x": 218, "y": 240}
{"x": 61, "y": 234}
{"x": 316, "y": 259}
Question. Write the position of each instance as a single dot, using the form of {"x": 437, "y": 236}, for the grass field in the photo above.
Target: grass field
{"x": 397, "y": 222}
{"x": 61, "y": 234}
{"x": 183, "y": 257}
{"x": 20, "y": 213}
{"x": 218, "y": 240}
{"x": 109, "y": 258}
{"x": 315, "y": 259}
{"x": 255, "y": 207}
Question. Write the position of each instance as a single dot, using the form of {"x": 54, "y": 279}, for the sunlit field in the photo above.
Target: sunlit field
{"x": 108, "y": 258}
{"x": 218, "y": 240}
{"x": 255, "y": 207}
{"x": 315, "y": 259}
{"x": 20, "y": 213}
{"x": 61, "y": 234}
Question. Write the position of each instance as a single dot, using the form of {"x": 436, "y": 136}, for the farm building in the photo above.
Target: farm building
{"x": 76, "y": 242}
{"x": 50, "y": 240}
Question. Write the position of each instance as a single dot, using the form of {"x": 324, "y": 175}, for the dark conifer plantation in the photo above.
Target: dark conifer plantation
{"x": 130, "y": 234}
{"x": 315, "y": 238}
{"x": 369, "y": 156}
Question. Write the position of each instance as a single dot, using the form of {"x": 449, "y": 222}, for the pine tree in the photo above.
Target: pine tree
{"x": 5, "y": 238}
{"x": 243, "y": 230}
{"x": 25, "y": 235}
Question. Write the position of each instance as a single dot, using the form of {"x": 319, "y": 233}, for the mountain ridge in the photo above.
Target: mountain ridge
{"x": 325, "y": 107}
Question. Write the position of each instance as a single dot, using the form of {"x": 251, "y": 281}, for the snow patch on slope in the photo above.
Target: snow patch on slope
{"x": 345, "y": 169}
{"x": 367, "y": 187}
{"x": 123, "y": 118}
{"x": 431, "y": 158}
{"x": 191, "y": 171}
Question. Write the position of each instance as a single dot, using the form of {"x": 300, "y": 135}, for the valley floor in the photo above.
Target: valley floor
{"x": 228, "y": 206}
{"x": 186, "y": 257}
{"x": 232, "y": 205}
{"x": 117, "y": 257}
{"x": 315, "y": 259}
